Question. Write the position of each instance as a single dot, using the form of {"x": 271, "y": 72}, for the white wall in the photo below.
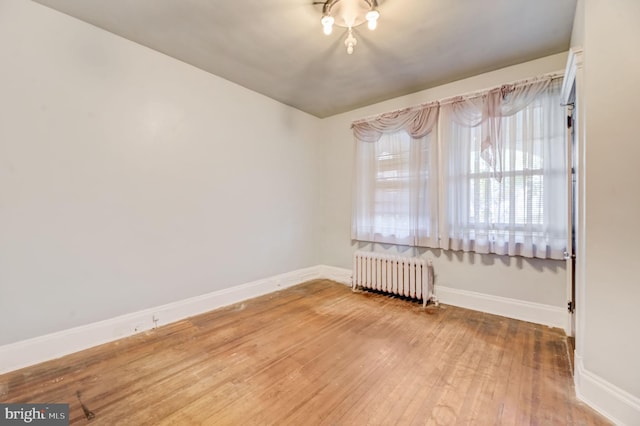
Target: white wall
{"x": 612, "y": 148}
{"x": 129, "y": 179}
{"x": 537, "y": 281}
{"x": 577, "y": 32}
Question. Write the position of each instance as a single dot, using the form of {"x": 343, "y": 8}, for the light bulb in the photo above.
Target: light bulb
{"x": 372, "y": 18}
{"x": 327, "y": 24}
{"x": 350, "y": 49}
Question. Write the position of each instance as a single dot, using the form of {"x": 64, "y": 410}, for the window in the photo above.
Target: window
{"x": 395, "y": 190}
{"x": 517, "y": 206}
{"x": 493, "y": 180}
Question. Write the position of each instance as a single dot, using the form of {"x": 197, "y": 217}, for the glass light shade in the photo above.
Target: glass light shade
{"x": 327, "y": 24}
{"x": 372, "y": 18}
{"x": 349, "y": 14}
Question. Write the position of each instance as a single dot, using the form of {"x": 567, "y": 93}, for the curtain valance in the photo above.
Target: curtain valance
{"x": 486, "y": 109}
{"x": 417, "y": 122}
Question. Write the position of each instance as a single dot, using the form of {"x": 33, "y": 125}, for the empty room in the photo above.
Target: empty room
{"x": 299, "y": 212}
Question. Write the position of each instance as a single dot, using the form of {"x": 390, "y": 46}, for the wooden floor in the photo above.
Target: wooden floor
{"x": 318, "y": 354}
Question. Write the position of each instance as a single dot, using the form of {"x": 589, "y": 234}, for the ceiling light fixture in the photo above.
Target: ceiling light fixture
{"x": 349, "y": 14}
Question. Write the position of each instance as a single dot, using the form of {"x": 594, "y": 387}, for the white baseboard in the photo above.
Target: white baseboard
{"x": 334, "y": 273}
{"x": 617, "y": 405}
{"x": 43, "y": 348}
{"x": 538, "y": 313}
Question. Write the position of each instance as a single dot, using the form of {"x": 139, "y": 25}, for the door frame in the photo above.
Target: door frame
{"x": 574, "y": 76}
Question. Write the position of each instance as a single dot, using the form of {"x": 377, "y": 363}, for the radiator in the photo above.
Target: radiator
{"x": 404, "y": 276}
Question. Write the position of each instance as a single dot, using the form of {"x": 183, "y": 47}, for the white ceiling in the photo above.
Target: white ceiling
{"x": 277, "y": 47}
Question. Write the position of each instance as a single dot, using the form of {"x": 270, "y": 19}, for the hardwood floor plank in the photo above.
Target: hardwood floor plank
{"x": 318, "y": 354}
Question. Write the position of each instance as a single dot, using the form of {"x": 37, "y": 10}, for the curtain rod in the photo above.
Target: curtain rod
{"x": 469, "y": 95}
{"x": 517, "y": 83}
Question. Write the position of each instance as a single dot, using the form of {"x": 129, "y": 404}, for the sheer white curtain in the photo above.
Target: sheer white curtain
{"x": 395, "y": 181}
{"x": 503, "y": 168}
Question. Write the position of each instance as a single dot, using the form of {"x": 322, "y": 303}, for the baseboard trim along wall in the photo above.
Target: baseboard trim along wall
{"x": 552, "y": 316}
{"x": 55, "y": 345}
{"x": 336, "y": 274}
{"x": 617, "y": 405}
